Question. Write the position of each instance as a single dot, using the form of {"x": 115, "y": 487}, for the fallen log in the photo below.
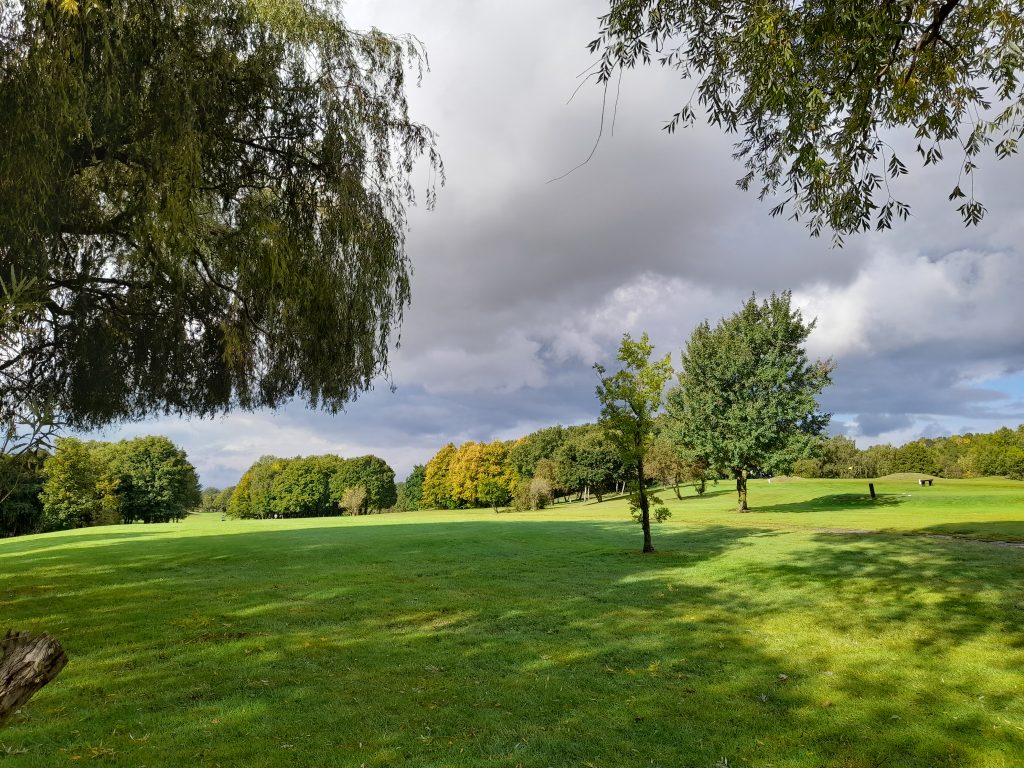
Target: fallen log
{"x": 27, "y": 663}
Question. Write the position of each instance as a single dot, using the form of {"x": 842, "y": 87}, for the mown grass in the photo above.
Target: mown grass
{"x": 778, "y": 638}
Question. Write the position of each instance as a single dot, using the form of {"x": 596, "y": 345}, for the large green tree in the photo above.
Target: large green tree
{"x": 630, "y": 399}
{"x": 302, "y": 489}
{"x": 814, "y": 89}
{"x": 437, "y": 485}
{"x": 373, "y": 475}
{"x": 746, "y": 400}
{"x": 156, "y": 481}
{"x": 202, "y": 205}
{"x": 69, "y": 495}
{"x": 587, "y": 461}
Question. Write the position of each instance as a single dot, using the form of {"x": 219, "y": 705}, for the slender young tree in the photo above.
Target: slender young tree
{"x": 747, "y": 394}
{"x": 630, "y": 399}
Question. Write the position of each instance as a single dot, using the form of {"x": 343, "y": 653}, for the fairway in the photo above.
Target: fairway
{"x": 822, "y": 629}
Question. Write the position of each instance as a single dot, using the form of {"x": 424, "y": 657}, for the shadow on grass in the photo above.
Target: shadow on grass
{"x": 838, "y": 502}
{"x": 473, "y": 644}
{"x": 1003, "y": 530}
{"x": 949, "y": 592}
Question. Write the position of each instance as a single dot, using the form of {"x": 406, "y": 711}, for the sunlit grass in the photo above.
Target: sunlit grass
{"x": 783, "y": 637}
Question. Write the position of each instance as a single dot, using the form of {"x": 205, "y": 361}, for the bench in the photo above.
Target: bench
{"x": 925, "y": 480}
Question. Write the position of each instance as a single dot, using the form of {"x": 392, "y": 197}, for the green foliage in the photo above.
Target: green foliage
{"x": 813, "y": 88}
{"x": 746, "y": 399}
{"x": 69, "y": 495}
{"x": 21, "y": 480}
{"x": 302, "y": 489}
{"x": 670, "y": 462}
{"x": 630, "y": 399}
{"x": 534, "y": 447}
{"x": 492, "y": 492}
{"x": 546, "y": 471}
{"x": 876, "y": 461}
{"x": 409, "y": 493}
{"x": 532, "y": 494}
{"x": 587, "y": 460}
{"x": 312, "y": 486}
{"x": 958, "y": 456}
{"x": 147, "y": 479}
{"x": 914, "y": 457}
{"x": 215, "y": 500}
{"x": 370, "y": 473}
{"x": 202, "y": 205}
{"x": 437, "y": 488}
{"x": 155, "y": 481}
{"x": 253, "y": 496}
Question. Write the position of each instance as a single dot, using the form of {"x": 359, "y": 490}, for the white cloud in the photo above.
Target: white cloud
{"x": 902, "y": 301}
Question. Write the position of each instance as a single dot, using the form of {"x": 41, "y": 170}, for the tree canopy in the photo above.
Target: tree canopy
{"x": 313, "y": 486}
{"x": 146, "y": 479}
{"x": 814, "y": 90}
{"x": 202, "y": 205}
{"x": 746, "y": 400}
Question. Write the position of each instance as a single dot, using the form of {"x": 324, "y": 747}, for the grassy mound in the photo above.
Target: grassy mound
{"x": 896, "y": 477}
{"x": 535, "y": 639}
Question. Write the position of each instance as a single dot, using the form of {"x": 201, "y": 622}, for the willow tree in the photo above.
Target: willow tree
{"x": 202, "y": 205}
{"x": 746, "y": 401}
{"x": 815, "y": 88}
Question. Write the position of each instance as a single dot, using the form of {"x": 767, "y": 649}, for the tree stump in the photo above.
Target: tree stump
{"x": 27, "y": 663}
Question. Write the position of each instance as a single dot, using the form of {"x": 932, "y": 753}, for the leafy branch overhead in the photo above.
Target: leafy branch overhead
{"x": 815, "y": 89}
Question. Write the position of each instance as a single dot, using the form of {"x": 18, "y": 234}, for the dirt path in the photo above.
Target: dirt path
{"x": 914, "y": 534}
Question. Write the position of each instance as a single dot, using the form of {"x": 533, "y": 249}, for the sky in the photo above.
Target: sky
{"x": 522, "y": 282}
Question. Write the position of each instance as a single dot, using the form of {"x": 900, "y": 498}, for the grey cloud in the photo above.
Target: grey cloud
{"x": 875, "y": 424}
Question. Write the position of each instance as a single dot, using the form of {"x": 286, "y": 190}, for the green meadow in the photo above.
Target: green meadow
{"x": 822, "y": 629}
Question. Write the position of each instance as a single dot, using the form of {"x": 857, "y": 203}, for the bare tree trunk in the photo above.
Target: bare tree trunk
{"x": 27, "y": 663}
{"x": 645, "y": 507}
{"x": 741, "y": 489}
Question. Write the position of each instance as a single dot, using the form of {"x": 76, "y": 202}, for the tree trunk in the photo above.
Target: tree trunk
{"x": 676, "y": 489}
{"x": 27, "y": 663}
{"x": 741, "y": 489}
{"x": 645, "y": 508}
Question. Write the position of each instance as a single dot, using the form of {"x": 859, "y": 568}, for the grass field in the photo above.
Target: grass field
{"x": 812, "y": 632}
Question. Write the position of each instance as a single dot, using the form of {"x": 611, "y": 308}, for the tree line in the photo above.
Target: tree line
{"x": 999, "y": 453}
{"x": 86, "y": 483}
{"x": 548, "y": 465}
{"x": 309, "y": 486}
